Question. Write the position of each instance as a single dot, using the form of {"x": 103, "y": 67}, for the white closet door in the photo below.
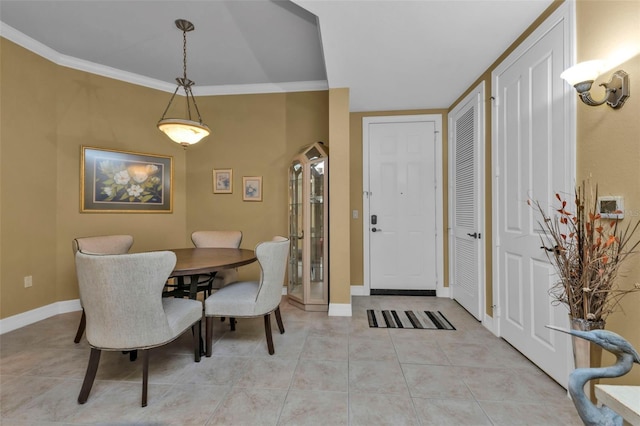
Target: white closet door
{"x": 466, "y": 126}
{"x": 533, "y": 159}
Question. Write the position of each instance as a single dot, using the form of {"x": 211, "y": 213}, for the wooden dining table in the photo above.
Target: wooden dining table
{"x": 194, "y": 262}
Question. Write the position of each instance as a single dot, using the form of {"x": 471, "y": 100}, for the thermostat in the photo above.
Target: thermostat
{"x": 611, "y": 207}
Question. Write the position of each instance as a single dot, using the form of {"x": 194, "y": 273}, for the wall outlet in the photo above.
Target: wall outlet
{"x": 354, "y": 214}
{"x": 28, "y": 281}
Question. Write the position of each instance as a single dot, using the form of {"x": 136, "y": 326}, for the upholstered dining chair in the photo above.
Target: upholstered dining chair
{"x": 217, "y": 239}
{"x": 252, "y": 298}
{"x": 125, "y": 309}
{"x": 103, "y": 244}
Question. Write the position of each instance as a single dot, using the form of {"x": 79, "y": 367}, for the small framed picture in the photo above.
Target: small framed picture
{"x": 252, "y": 188}
{"x": 223, "y": 181}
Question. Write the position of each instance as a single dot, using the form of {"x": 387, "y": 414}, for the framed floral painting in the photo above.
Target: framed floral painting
{"x": 252, "y": 188}
{"x": 223, "y": 181}
{"x": 125, "y": 182}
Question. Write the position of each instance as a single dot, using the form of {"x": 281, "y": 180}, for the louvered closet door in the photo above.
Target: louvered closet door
{"x": 467, "y": 278}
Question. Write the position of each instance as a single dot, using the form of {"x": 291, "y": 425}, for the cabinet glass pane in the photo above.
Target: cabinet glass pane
{"x": 316, "y": 204}
{"x": 296, "y": 232}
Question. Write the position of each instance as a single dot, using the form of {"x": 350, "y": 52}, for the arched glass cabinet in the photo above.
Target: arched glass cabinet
{"x": 308, "y": 286}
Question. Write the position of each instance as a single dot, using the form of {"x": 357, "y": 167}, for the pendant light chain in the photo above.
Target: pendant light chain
{"x": 184, "y": 54}
{"x": 186, "y": 82}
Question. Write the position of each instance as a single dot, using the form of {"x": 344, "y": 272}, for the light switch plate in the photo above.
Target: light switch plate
{"x": 611, "y": 207}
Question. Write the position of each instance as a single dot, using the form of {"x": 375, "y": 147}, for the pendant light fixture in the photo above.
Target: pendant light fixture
{"x": 184, "y": 131}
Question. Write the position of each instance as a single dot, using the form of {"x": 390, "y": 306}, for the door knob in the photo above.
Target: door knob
{"x": 375, "y": 229}
{"x": 474, "y": 235}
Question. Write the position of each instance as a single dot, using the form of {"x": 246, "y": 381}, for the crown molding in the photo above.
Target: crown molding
{"x": 246, "y": 89}
{"x": 56, "y": 57}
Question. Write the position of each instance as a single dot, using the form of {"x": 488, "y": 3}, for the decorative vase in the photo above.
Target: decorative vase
{"x": 585, "y": 353}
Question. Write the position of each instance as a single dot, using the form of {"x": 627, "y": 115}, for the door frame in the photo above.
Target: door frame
{"x": 441, "y": 291}
{"x": 479, "y": 97}
{"x": 566, "y": 12}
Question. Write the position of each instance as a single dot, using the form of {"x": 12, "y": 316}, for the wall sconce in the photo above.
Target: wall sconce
{"x": 582, "y": 75}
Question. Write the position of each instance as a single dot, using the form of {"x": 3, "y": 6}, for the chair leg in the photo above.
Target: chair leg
{"x": 197, "y": 336}
{"x": 209, "y": 333}
{"x": 90, "y": 375}
{"x": 267, "y": 330}
{"x": 279, "y": 320}
{"x": 145, "y": 375}
{"x": 232, "y": 323}
{"x": 81, "y": 326}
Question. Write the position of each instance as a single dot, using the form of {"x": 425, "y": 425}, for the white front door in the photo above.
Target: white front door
{"x": 533, "y": 158}
{"x": 466, "y": 201}
{"x": 402, "y": 203}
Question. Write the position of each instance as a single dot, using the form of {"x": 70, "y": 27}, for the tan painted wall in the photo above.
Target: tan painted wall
{"x": 45, "y": 120}
{"x": 255, "y": 135}
{"x": 28, "y": 177}
{"x": 53, "y": 111}
{"x": 339, "y": 190}
{"x": 608, "y": 141}
{"x": 356, "y": 198}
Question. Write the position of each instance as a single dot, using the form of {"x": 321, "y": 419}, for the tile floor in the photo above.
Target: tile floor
{"x": 326, "y": 371}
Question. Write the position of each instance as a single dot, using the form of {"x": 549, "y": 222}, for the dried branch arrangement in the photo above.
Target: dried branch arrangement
{"x": 587, "y": 252}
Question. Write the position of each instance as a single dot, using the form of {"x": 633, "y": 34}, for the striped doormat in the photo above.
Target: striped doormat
{"x": 428, "y": 320}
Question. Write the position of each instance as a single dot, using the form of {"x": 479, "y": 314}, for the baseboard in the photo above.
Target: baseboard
{"x": 489, "y": 324}
{"x": 26, "y": 318}
{"x": 387, "y": 292}
{"x": 358, "y": 290}
{"x": 444, "y": 292}
{"x": 340, "y": 309}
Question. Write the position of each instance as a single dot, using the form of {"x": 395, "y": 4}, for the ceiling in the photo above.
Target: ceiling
{"x": 391, "y": 54}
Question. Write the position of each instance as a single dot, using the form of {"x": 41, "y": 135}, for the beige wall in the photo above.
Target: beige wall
{"x": 28, "y": 178}
{"x": 356, "y": 198}
{"x": 608, "y": 141}
{"x": 46, "y": 117}
{"x": 52, "y": 111}
{"x": 255, "y": 135}
{"x": 339, "y": 184}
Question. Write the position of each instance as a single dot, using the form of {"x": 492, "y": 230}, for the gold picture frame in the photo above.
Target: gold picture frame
{"x": 251, "y": 188}
{"x": 113, "y": 181}
{"x": 223, "y": 181}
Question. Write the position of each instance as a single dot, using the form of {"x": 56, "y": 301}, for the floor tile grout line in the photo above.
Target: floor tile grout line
{"x": 354, "y": 326}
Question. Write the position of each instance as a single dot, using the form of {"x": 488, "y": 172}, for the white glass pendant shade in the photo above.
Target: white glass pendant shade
{"x": 584, "y": 71}
{"x": 184, "y": 132}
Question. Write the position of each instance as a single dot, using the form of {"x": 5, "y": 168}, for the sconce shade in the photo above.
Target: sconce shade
{"x": 184, "y": 132}
{"x": 582, "y": 72}
{"x": 581, "y": 76}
